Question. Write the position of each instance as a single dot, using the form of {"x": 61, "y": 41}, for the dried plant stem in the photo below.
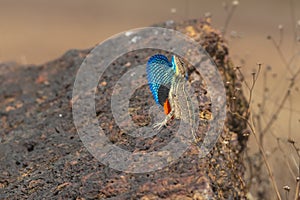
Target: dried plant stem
{"x": 251, "y": 126}
{"x": 278, "y": 110}
{"x": 280, "y": 53}
{"x": 293, "y": 21}
{"x": 250, "y": 169}
{"x": 297, "y": 190}
{"x": 262, "y": 151}
{"x": 286, "y": 195}
{"x": 284, "y": 157}
{"x": 282, "y": 103}
{"x": 228, "y": 18}
{"x": 290, "y": 118}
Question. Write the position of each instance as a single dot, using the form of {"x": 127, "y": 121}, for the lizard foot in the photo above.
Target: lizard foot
{"x": 159, "y": 125}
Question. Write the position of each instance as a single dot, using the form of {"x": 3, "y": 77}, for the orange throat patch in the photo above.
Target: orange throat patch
{"x": 167, "y": 107}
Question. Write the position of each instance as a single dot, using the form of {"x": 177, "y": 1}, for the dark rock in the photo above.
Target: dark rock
{"x": 42, "y": 157}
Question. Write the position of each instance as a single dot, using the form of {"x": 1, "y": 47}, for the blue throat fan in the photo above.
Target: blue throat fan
{"x": 160, "y": 72}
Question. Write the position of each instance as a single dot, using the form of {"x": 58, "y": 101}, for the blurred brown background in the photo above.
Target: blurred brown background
{"x": 37, "y": 31}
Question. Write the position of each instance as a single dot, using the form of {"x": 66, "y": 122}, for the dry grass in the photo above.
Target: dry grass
{"x": 263, "y": 125}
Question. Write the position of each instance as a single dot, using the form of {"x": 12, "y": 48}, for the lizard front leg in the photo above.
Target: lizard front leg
{"x": 159, "y": 125}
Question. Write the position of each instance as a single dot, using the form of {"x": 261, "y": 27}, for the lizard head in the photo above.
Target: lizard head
{"x": 178, "y": 66}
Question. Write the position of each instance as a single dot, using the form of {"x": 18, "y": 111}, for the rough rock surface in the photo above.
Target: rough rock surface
{"x": 42, "y": 157}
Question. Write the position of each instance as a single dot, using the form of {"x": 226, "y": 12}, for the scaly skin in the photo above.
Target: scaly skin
{"x": 180, "y": 102}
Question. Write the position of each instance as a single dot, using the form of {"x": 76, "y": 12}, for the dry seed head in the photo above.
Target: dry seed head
{"x": 235, "y": 3}
{"x": 234, "y": 34}
{"x": 287, "y": 188}
{"x": 280, "y": 26}
{"x": 207, "y": 14}
{"x": 291, "y": 141}
{"x": 173, "y": 10}
{"x": 259, "y": 105}
{"x": 237, "y": 67}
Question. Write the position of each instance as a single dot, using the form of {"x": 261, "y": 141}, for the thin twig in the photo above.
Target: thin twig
{"x": 229, "y": 16}
{"x": 285, "y": 157}
{"x": 297, "y": 189}
{"x": 279, "y": 108}
{"x": 293, "y": 23}
{"x": 290, "y": 118}
{"x": 280, "y": 53}
{"x": 262, "y": 151}
{"x": 251, "y": 126}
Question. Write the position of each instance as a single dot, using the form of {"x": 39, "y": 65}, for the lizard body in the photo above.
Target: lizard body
{"x": 171, "y": 78}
